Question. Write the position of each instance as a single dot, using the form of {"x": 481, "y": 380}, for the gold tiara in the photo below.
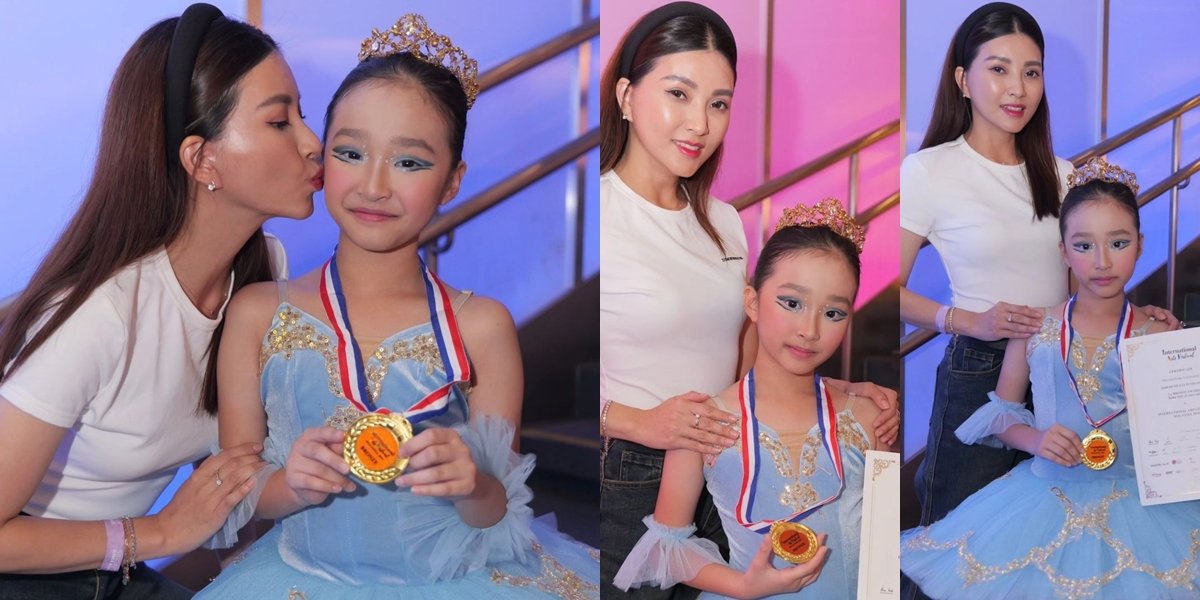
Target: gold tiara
{"x": 412, "y": 35}
{"x": 1098, "y": 168}
{"x": 828, "y": 213}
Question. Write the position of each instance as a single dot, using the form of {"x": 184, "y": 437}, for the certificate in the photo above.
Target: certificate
{"x": 879, "y": 548}
{"x": 1162, "y": 388}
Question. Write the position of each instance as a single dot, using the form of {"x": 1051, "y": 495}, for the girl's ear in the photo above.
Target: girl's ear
{"x": 750, "y": 302}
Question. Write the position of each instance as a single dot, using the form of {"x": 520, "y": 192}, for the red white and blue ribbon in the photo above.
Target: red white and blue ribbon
{"x": 826, "y": 420}
{"x": 350, "y": 362}
{"x": 1067, "y": 337}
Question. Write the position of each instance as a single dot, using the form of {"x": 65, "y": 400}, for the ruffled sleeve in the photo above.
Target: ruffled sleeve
{"x": 438, "y": 537}
{"x": 666, "y": 556}
{"x": 241, "y": 514}
{"x": 992, "y": 418}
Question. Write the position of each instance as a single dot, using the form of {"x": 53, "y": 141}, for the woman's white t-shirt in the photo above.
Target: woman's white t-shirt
{"x": 670, "y": 301}
{"x": 123, "y": 376}
{"x": 979, "y": 215}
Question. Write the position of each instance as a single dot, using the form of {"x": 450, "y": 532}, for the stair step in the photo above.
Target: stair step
{"x": 567, "y": 447}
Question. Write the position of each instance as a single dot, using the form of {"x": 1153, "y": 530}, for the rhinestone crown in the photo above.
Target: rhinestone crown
{"x": 828, "y": 213}
{"x": 1098, "y": 168}
{"x": 412, "y": 35}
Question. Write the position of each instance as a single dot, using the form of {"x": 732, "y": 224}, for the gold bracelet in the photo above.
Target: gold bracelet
{"x": 604, "y": 441}
{"x": 130, "y": 549}
{"x": 950, "y": 321}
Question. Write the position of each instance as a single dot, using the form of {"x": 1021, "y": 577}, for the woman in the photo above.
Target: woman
{"x": 108, "y": 384}
{"x": 677, "y": 318}
{"x": 985, "y": 190}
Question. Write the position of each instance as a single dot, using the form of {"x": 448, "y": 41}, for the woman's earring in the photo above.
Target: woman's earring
{"x": 212, "y": 186}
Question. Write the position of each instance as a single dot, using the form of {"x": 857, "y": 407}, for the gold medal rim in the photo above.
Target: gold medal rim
{"x": 397, "y": 424}
{"x": 777, "y": 529}
{"x": 1098, "y": 434}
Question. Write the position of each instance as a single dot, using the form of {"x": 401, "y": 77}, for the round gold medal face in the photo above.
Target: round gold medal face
{"x": 1099, "y": 450}
{"x": 372, "y": 446}
{"x": 793, "y": 542}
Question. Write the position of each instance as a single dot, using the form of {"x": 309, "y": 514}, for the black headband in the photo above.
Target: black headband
{"x": 181, "y": 60}
{"x": 661, "y": 15}
{"x": 974, "y": 19}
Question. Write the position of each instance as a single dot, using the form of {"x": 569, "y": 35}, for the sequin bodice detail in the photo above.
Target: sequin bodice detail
{"x": 1054, "y": 400}
{"x": 793, "y": 476}
{"x": 301, "y": 389}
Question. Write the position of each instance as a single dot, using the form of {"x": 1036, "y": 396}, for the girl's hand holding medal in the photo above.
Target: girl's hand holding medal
{"x": 440, "y": 464}
{"x": 1061, "y": 445}
{"x": 763, "y": 579}
{"x": 315, "y": 467}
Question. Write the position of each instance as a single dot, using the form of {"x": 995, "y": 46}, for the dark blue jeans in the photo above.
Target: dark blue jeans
{"x": 952, "y": 470}
{"x": 144, "y": 584}
{"x": 628, "y": 492}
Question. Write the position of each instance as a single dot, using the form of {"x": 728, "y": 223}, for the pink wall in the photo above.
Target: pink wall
{"x": 835, "y": 77}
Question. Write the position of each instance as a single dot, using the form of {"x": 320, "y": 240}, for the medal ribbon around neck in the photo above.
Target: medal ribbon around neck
{"x": 1067, "y": 337}
{"x": 826, "y": 420}
{"x": 350, "y": 362}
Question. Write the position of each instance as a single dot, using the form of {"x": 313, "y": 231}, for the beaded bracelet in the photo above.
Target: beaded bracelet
{"x": 130, "y": 550}
{"x": 604, "y": 434}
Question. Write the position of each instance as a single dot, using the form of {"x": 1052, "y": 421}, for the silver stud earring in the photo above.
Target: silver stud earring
{"x": 624, "y": 116}
{"x": 212, "y": 186}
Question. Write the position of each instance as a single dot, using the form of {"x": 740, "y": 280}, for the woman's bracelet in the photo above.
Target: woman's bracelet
{"x": 604, "y": 420}
{"x": 941, "y": 318}
{"x": 114, "y": 545}
{"x": 950, "y": 321}
{"x": 130, "y": 561}
{"x": 604, "y": 434}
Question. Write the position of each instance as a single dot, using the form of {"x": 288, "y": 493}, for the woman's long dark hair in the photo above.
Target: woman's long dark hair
{"x": 139, "y": 198}
{"x": 952, "y": 113}
{"x": 680, "y": 34}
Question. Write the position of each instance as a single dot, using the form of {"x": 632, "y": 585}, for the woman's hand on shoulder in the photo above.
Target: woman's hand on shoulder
{"x": 763, "y": 579}
{"x": 1160, "y": 319}
{"x": 689, "y": 421}
{"x": 886, "y": 423}
{"x": 1002, "y": 321}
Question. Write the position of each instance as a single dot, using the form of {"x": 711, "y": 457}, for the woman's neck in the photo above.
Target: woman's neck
{"x": 202, "y": 255}
{"x": 994, "y": 144}
{"x": 649, "y": 178}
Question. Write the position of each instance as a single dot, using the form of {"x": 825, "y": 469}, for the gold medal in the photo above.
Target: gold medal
{"x": 372, "y": 446}
{"x": 1099, "y": 450}
{"x": 793, "y": 542}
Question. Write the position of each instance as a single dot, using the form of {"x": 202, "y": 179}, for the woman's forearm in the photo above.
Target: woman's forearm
{"x": 919, "y": 311}
{"x": 625, "y": 422}
{"x": 25, "y": 544}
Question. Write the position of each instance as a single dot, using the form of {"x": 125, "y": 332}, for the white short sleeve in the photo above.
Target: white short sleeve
{"x": 917, "y": 201}
{"x": 56, "y": 383}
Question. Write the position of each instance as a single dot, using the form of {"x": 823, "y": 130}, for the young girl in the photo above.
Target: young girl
{"x": 1054, "y": 527}
{"x": 667, "y": 100}
{"x": 800, "y": 455}
{"x": 374, "y": 332}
